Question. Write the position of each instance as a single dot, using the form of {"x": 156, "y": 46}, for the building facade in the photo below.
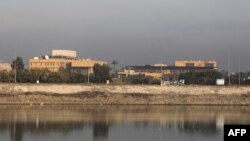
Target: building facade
{"x": 169, "y": 72}
{"x": 64, "y": 59}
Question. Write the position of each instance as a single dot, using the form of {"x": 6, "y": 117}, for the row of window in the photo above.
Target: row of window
{"x": 51, "y": 69}
{"x": 206, "y": 65}
{"x": 47, "y": 64}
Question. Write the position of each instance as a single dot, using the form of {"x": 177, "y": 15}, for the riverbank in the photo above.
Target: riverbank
{"x": 32, "y": 94}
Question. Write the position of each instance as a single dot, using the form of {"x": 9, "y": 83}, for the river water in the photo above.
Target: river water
{"x": 118, "y": 123}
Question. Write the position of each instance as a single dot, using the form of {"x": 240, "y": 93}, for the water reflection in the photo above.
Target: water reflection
{"x": 21, "y": 122}
{"x": 100, "y": 130}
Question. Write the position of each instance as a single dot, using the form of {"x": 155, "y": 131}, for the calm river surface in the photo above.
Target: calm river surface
{"x": 118, "y": 123}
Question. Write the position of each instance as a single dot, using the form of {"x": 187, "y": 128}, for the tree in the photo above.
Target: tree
{"x": 142, "y": 79}
{"x": 6, "y": 77}
{"x": 101, "y": 73}
{"x": 78, "y": 78}
{"x": 115, "y": 74}
{"x": 17, "y": 64}
{"x": 114, "y": 63}
{"x": 18, "y": 68}
{"x": 39, "y": 74}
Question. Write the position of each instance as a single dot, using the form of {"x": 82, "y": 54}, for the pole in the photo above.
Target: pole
{"x": 88, "y": 75}
{"x": 239, "y": 71}
{"x": 161, "y": 75}
{"x": 229, "y": 71}
{"x": 248, "y": 72}
{"x": 15, "y": 72}
{"x": 120, "y": 76}
{"x": 15, "y": 66}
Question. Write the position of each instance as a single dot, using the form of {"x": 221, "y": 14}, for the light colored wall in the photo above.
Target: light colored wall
{"x": 197, "y": 63}
{"x": 68, "y": 53}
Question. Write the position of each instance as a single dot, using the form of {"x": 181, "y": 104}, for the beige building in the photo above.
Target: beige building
{"x": 162, "y": 70}
{"x": 64, "y": 59}
{"x": 195, "y": 63}
{"x": 84, "y": 66}
{"x": 52, "y": 64}
{"x": 5, "y": 66}
{"x": 126, "y": 73}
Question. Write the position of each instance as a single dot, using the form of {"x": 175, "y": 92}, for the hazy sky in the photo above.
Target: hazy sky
{"x": 134, "y": 32}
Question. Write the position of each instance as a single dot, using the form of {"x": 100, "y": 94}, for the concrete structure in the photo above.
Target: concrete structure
{"x": 168, "y": 72}
{"x": 64, "y": 59}
{"x": 195, "y": 63}
{"x": 130, "y": 72}
{"x": 5, "y": 66}
{"x": 64, "y": 53}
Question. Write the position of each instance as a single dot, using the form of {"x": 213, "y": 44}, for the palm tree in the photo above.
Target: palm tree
{"x": 114, "y": 63}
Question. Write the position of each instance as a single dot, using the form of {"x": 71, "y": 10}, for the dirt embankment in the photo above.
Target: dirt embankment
{"x": 122, "y": 94}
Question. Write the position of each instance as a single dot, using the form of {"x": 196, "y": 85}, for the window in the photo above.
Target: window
{"x": 189, "y": 64}
{"x": 209, "y": 65}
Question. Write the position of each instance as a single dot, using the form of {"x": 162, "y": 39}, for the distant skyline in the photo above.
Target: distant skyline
{"x": 133, "y": 32}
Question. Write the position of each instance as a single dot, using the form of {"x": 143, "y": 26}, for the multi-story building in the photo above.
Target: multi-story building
{"x": 66, "y": 59}
{"x": 169, "y": 72}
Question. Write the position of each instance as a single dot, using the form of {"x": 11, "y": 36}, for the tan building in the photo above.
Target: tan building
{"x": 155, "y": 71}
{"x": 5, "y": 66}
{"x": 127, "y": 73}
{"x": 64, "y": 59}
{"x": 195, "y": 63}
{"x": 84, "y": 66}
{"x": 52, "y": 64}
{"x": 159, "y": 70}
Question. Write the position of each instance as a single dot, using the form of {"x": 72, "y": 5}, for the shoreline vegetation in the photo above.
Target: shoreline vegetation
{"x": 79, "y": 94}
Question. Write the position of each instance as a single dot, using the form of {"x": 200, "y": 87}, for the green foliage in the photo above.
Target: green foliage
{"x": 6, "y": 77}
{"x": 101, "y": 73}
{"x": 39, "y": 74}
{"x": 141, "y": 79}
{"x": 18, "y": 64}
{"x": 202, "y": 78}
{"x": 78, "y": 78}
{"x": 234, "y": 79}
{"x": 18, "y": 69}
{"x": 114, "y": 63}
{"x": 247, "y": 82}
{"x": 115, "y": 72}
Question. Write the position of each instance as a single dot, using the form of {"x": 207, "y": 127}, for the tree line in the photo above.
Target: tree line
{"x": 209, "y": 78}
{"x": 22, "y": 75}
{"x": 202, "y": 78}
{"x": 102, "y": 73}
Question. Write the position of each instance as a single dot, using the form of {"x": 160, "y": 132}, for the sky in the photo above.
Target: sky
{"x": 133, "y": 32}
